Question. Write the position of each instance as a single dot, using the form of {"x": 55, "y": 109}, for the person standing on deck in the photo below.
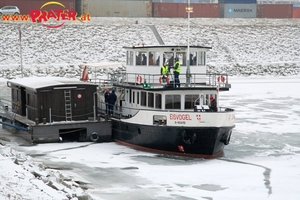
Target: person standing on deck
{"x": 112, "y": 98}
{"x": 213, "y": 104}
{"x": 106, "y": 94}
{"x": 164, "y": 71}
{"x": 176, "y": 72}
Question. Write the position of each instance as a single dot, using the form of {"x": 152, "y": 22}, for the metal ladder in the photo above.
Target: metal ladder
{"x": 68, "y": 106}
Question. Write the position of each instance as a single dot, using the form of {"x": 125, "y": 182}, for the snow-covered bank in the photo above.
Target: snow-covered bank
{"x": 22, "y": 178}
{"x": 239, "y": 46}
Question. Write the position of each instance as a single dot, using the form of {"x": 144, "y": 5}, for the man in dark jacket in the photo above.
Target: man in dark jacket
{"x": 106, "y": 94}
{"x": 112, "y": 98}
{"x": 213, "y": 104}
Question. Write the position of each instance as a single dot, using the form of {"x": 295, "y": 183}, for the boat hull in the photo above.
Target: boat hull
{"x": 205, "y": 142}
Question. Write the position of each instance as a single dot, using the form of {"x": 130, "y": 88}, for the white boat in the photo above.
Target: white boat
{"x": 159, "y": 117}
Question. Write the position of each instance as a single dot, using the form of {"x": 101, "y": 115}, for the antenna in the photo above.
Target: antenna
{"x": 188, "y": 9}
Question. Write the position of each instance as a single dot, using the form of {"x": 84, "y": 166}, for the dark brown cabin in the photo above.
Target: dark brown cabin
{"x": 55, "y": 98}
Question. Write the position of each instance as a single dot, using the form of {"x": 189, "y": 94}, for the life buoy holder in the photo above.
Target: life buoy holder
{"x": 167, "y": 80}
{"x": 94, "y": 137}
{"x": 221, "y": 79}
{"x": 139, "y": 79}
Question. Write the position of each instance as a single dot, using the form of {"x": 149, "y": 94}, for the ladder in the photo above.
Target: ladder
{"x": 68, "y": 106}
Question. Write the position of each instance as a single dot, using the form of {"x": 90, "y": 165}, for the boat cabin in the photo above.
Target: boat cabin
{"x": 149, "y": 59}
{"x": 49, "y": 99}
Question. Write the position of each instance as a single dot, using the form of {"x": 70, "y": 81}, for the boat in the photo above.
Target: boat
{"x": 53, "y": 109}
{"x": 166, "y": 115}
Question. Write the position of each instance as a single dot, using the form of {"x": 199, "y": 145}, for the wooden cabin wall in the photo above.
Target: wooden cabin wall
{"x": 18, "y": 97}
{"x": 31, "y": 104}
{"x": 82, "y": 102}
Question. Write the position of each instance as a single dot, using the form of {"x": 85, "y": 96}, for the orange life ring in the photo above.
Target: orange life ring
{"x": 139, "y": 79}
{"x": 221, "y": 78}
{"x": 160, "y": 79}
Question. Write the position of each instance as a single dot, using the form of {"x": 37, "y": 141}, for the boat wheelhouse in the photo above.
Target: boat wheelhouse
{"x": 157, "y": 116}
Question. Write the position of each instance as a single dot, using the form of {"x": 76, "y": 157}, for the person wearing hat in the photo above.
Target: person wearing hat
{"x": 176, "y": 72}
{"x": 213, "y": 104}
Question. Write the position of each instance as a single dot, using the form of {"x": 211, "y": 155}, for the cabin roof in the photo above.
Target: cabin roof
{"x": 166, "y": 46}
{"x": 42, "y": 82}
{"x": 103, "y": 64}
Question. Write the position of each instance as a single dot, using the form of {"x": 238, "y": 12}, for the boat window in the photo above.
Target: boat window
{"x": 153, "y": 57}
{"x": 143, "y": 98}
{"x": 127, "y": 96}
{"x": 159, "y": 119}
{"x": 150, "y": 99}
{"x": 202, "y": 58}
{"x": 158, "y": 101}
{"x": 137, "y": 98}
{"x": 169, "y": 58}
{"x": 129, "y": 58}
{"x": 182, "y": 58}
{"x": 141, "y": 58}
{"x": 190, "y": 101}
{"x": 172, "y": 102}
{"x": 133, "y": 97}
{"x": 193, "y": 58}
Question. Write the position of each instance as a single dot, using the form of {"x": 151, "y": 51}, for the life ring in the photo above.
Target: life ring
{"x": 160, "y": 79}
{"x": 139, "y": 79}
{"x": 94, "y": 137}
{"x": 221, "y": 79}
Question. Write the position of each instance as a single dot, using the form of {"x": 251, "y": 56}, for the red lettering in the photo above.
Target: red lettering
{"x": 64, "y": 15}
{"x": 24, "y": 17}
{"x": 43, "y": 16}
{"x": 51, "y": 14}
{"x": 5, "y": 17}
{"x": 15, "y": 17}
{"x": 180, "y": 117}
{"x": 72, "y": 15}
{"x": 34, "y": 15}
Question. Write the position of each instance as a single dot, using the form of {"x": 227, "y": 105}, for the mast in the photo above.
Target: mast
{"x": 21, "y": 58}
{"x": 188, "y": 9}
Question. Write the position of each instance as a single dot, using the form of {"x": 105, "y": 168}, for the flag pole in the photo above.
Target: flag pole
{"x": 21, "y": 59}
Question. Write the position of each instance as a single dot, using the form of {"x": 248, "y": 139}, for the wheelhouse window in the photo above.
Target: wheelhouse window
{"x": 193, "y": 58}
{"x": 191, "y": 100}
{"x": 182, "y": 58}
{"x": 141, "y": 58}
{"x": 143, "y": 98}
{"x": 168, "y": 58}
{"x": 202, "y": 58}
{"x": 158, "y": 101}
{"x": 153, "y": 58}
{"x": 172, "y": 102}
{"x": 129, "y": 58}
{"x": 150, "y": 99}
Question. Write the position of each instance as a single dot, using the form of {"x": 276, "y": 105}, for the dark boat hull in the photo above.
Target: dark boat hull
{"x": 204, "y": 142}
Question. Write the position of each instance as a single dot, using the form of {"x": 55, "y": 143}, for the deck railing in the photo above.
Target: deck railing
{"x": 211, "y": 79}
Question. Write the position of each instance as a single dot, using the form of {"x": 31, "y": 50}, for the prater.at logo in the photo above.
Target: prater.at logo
{"x": 52, "y": 18}
{"x": 58, "y": 15}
